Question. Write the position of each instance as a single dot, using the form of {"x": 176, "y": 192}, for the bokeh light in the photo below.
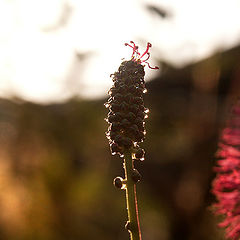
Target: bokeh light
{"x": 53, "y": 50}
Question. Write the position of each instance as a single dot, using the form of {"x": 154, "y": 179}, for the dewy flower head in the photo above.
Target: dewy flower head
{"x": 127, "y": 113}
{"x": 226, "y": 185}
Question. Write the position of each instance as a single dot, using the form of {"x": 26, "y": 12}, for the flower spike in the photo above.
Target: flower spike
{"x": 126, "y": 129}
{"x": 226, "y": 185}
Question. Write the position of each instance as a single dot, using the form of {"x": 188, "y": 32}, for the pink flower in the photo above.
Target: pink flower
{"x": 226, "y": 185}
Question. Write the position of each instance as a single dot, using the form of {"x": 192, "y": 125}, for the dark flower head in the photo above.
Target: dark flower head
{"x": 226, "y": 185}
{"x": 127, "y": 113}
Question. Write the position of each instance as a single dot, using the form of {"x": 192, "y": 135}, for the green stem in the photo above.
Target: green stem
{"x": 131, "y": 198}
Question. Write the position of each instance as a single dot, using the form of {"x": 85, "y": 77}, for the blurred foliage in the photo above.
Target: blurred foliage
{"x": 56, "y": 170}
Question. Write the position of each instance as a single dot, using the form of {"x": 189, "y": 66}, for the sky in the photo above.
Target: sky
{"x": 53, "y": 50}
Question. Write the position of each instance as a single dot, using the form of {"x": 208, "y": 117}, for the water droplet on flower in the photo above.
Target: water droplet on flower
{"x": 106, "y": 105}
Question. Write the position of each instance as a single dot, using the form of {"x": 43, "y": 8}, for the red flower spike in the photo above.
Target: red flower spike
{"x": 135, "y": 55}
{"x": 226, "y": 185}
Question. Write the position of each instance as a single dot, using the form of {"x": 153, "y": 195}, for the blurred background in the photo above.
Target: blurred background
{"x": 56, "y": 170}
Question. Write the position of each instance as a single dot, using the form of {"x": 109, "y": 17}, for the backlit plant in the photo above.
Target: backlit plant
{"x": 126, "y": 131}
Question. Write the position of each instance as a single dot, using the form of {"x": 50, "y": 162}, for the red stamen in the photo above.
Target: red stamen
{"x": 147, "y": 57}
{"x": 134, "y": 47}
{"x": 151, "y": 67}
{"x": 147, "y": 49}
{"x": 135, "y": 54}
{"x": 133, "y": 44}
{"x": 127, "y": 44}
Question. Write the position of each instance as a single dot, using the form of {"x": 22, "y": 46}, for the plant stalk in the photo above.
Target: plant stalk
{"x": 133, "y": 225}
